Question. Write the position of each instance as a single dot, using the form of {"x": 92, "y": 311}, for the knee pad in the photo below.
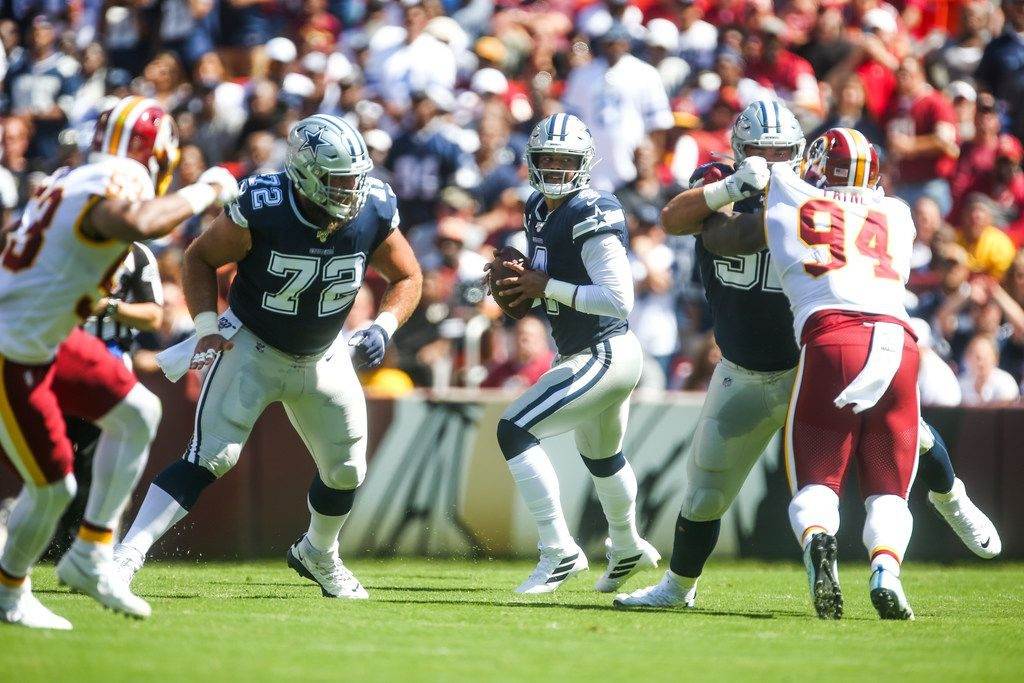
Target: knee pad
{"x": 604, "y": 467}
{"x": 138, "y": 413}
{"x": 343, "y": 476}
{"x": 704, "y": 505}
{"x": 220, "y": 461}
{"x": 513, "y": 439}
{"x": 328, "y": 500}
{"x": 184, "y": 481}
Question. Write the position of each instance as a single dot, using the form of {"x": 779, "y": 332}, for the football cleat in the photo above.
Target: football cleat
{"x": 556, "y": 566}
{"x": 888, "y": 597}
{"x": 624, "y": 562}
{"x": 823, "y": 576}
{"x": 127, "y": 562}
{"x": 102, "y": 581}
{"x": 18, "y": 606}
{"x": 973, "y": 527}
{"x": 668, "y": 593}
{"x": 326, "y": 570}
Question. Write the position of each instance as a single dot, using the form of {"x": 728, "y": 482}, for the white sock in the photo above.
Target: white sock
{"x": 617, "y": 494}
{"x": 32, "y": 523}
{"x": 121, "y": 455}
{"x": 323, "y": 529}
{"x": 683, "y": 583}
{"x": 159, "y": 512}
{"x": 813, "y": 508}
{"x": 538, "y": 485}
{"x": 887, "y": 530}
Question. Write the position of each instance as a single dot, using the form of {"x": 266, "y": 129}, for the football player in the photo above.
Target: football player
{"x": 749, "y": 393}
{"x": 842, "y": 251}
{"x": 580, "y": 274}
{"x": 55, "y": 266}
{"x": 302, "y": 240}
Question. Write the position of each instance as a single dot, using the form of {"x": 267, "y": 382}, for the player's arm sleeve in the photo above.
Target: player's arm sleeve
{"x": 608, "y": 267}
{"x": 239, "y": 209}
{"x": 146, "y": 287}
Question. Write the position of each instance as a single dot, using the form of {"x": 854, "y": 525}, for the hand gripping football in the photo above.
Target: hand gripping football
{"x": 500, "y": 271}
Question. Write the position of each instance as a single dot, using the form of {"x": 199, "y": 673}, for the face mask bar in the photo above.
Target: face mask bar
{"x": 565, "y": 181}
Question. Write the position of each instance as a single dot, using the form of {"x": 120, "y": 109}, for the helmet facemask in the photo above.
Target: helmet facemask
{"x": 559, "y": 182}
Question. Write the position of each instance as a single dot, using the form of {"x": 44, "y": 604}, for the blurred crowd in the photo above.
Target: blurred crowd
{"x": 445, "y": 92}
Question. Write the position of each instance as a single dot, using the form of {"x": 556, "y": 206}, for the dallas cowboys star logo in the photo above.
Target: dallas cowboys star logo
{"x": 313, "y": 141}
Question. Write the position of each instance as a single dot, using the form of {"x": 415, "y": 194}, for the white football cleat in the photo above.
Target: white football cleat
{"x": 973, "y": 527}
{"x": 127, "y": 562}
{"x": 100, "y": 579}
{"x": 326, "y": 570}
{"x": 888, "y": 597}
{"x": 624, "y": 562}
{"x": 820, "y": 560}
{"x": 18, "y": 606}
{"x": 556, "y": 566}
{"x": 668, "y": 593}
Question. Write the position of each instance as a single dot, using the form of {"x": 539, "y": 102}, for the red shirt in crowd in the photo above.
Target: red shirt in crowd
{"x": 785, "y": 72}
{"x": 511, "y": 374}
{"x": 879, "y": 87}
{"x": 923, "y": 116}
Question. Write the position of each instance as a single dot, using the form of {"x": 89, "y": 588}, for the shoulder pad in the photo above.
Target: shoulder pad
{"x": 598, "y": 212}
{"x": 384, "y": 202}
{"x": 112, "y": 178}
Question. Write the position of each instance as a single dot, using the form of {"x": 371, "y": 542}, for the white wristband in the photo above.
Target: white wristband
{"x": 206, "y": 324}
{"x": 562, "y": 292}
{"x": 716, "y": 195}
{"x": 388, "y": 322}
{"x": 199, "y": 196}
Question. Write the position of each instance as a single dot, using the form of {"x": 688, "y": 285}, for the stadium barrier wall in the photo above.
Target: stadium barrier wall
{"x": 438, "y": 486}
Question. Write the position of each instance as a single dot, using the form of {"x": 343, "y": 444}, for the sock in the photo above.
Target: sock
{"x": 31, "y": 525}
{"x": 616, "y": 488}
{"x": 538, "y": 485}
{"x": 121, "y": 455}
{"x": 169, "y": 498}
{"x": 94, "y": 541}
{"x": 887, "y": 530}
{"x": 693, "y": 545}
{"x": 814, "y": 507}
{"x": 683, "y": 583}
{"x": 934, "y": 466}
{"x": 328, "y": 510}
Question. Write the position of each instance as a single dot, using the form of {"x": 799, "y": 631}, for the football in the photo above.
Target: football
{"x": 499, "y": 271}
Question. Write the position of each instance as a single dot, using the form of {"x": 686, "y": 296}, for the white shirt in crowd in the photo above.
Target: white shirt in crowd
{"x": 406, "y": 67}
{"x": 936, "y": 382}
{"x": 621, "y": 105}
{"x": 999, "y": 388}
{"x": 654, "y": 318}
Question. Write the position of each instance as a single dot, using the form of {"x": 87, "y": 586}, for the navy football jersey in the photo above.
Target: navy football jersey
{"x": 294, "y": 290}
{"x": 422, "y": 164}
{"x": 555, "y": 247}
{"x": 751, "y": 316}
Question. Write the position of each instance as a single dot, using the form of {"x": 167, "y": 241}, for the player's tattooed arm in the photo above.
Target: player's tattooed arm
{"x": 684, "y": 212}
{"x": 396, "y": 262}
{"x": 740, "y": 233}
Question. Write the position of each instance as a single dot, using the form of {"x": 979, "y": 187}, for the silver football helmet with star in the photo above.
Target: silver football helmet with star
{"x": 767, "y": 123}
{"x": 324, "y": 151}
{"x": 560, "y": 134}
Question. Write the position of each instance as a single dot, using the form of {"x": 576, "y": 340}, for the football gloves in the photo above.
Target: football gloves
{"x": 368, "y": 347}
{"x": 750, "y": 178}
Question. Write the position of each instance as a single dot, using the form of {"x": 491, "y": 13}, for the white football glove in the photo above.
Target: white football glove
{"x": 750, "y": 178}
{"x": 222, "y": 180}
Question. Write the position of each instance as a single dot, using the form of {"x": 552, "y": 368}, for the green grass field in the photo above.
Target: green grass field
{"x": 447, "y": 620}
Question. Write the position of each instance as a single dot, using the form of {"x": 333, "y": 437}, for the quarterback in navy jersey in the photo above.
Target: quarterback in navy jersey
{"x": 302, "y": 240}
{"x": 748, "y": 396}
{"x": 579, "y": 274}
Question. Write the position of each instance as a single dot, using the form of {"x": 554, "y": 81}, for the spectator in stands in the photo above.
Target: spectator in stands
{"x": 411, "y": 59}
{"x": 1000, "y": 71}
{"x": 622, "y": 100}
{"x": 707, "y": 356}
{"x": 653, "y": 317}
{"x": 41, "y": 86}
{"x": 965, "y": 103}
{"x": 701, "y": 146}
{"x": 982, "y": 381}
{"x": 773, "y": 66}
{"x": 989, "y": 249}
{"x": 14, "y": 156}
{"x": 531, "y": 357}
{"x": 921, "y": 138}
{"x": 498, "y": 162}
{"x": 849, "y": 111}
{"x": 662, "y": 41}
{"x": 830, "y": 46}
{"x": 959, "y": 57}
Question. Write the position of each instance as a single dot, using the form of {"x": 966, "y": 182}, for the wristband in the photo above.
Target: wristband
{"x": 562, "y": 292}
{"x": 206, "y": 324}
{"x": 199, "y": 196}
{"x": 387, "y": 322}
{"x": 716, "y": 195}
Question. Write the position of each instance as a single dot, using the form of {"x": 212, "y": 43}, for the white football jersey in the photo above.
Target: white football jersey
{"x": 844, "y": 248}
{"x": 51, "y": 274}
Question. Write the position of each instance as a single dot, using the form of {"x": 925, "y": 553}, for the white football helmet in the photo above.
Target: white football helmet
{"x": 560, "y": 134}
{"x": 767, "y": 123}
{"x": 322, "y": 147}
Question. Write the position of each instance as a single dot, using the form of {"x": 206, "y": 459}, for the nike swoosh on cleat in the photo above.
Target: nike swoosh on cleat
{"x": 987, "y": 540}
